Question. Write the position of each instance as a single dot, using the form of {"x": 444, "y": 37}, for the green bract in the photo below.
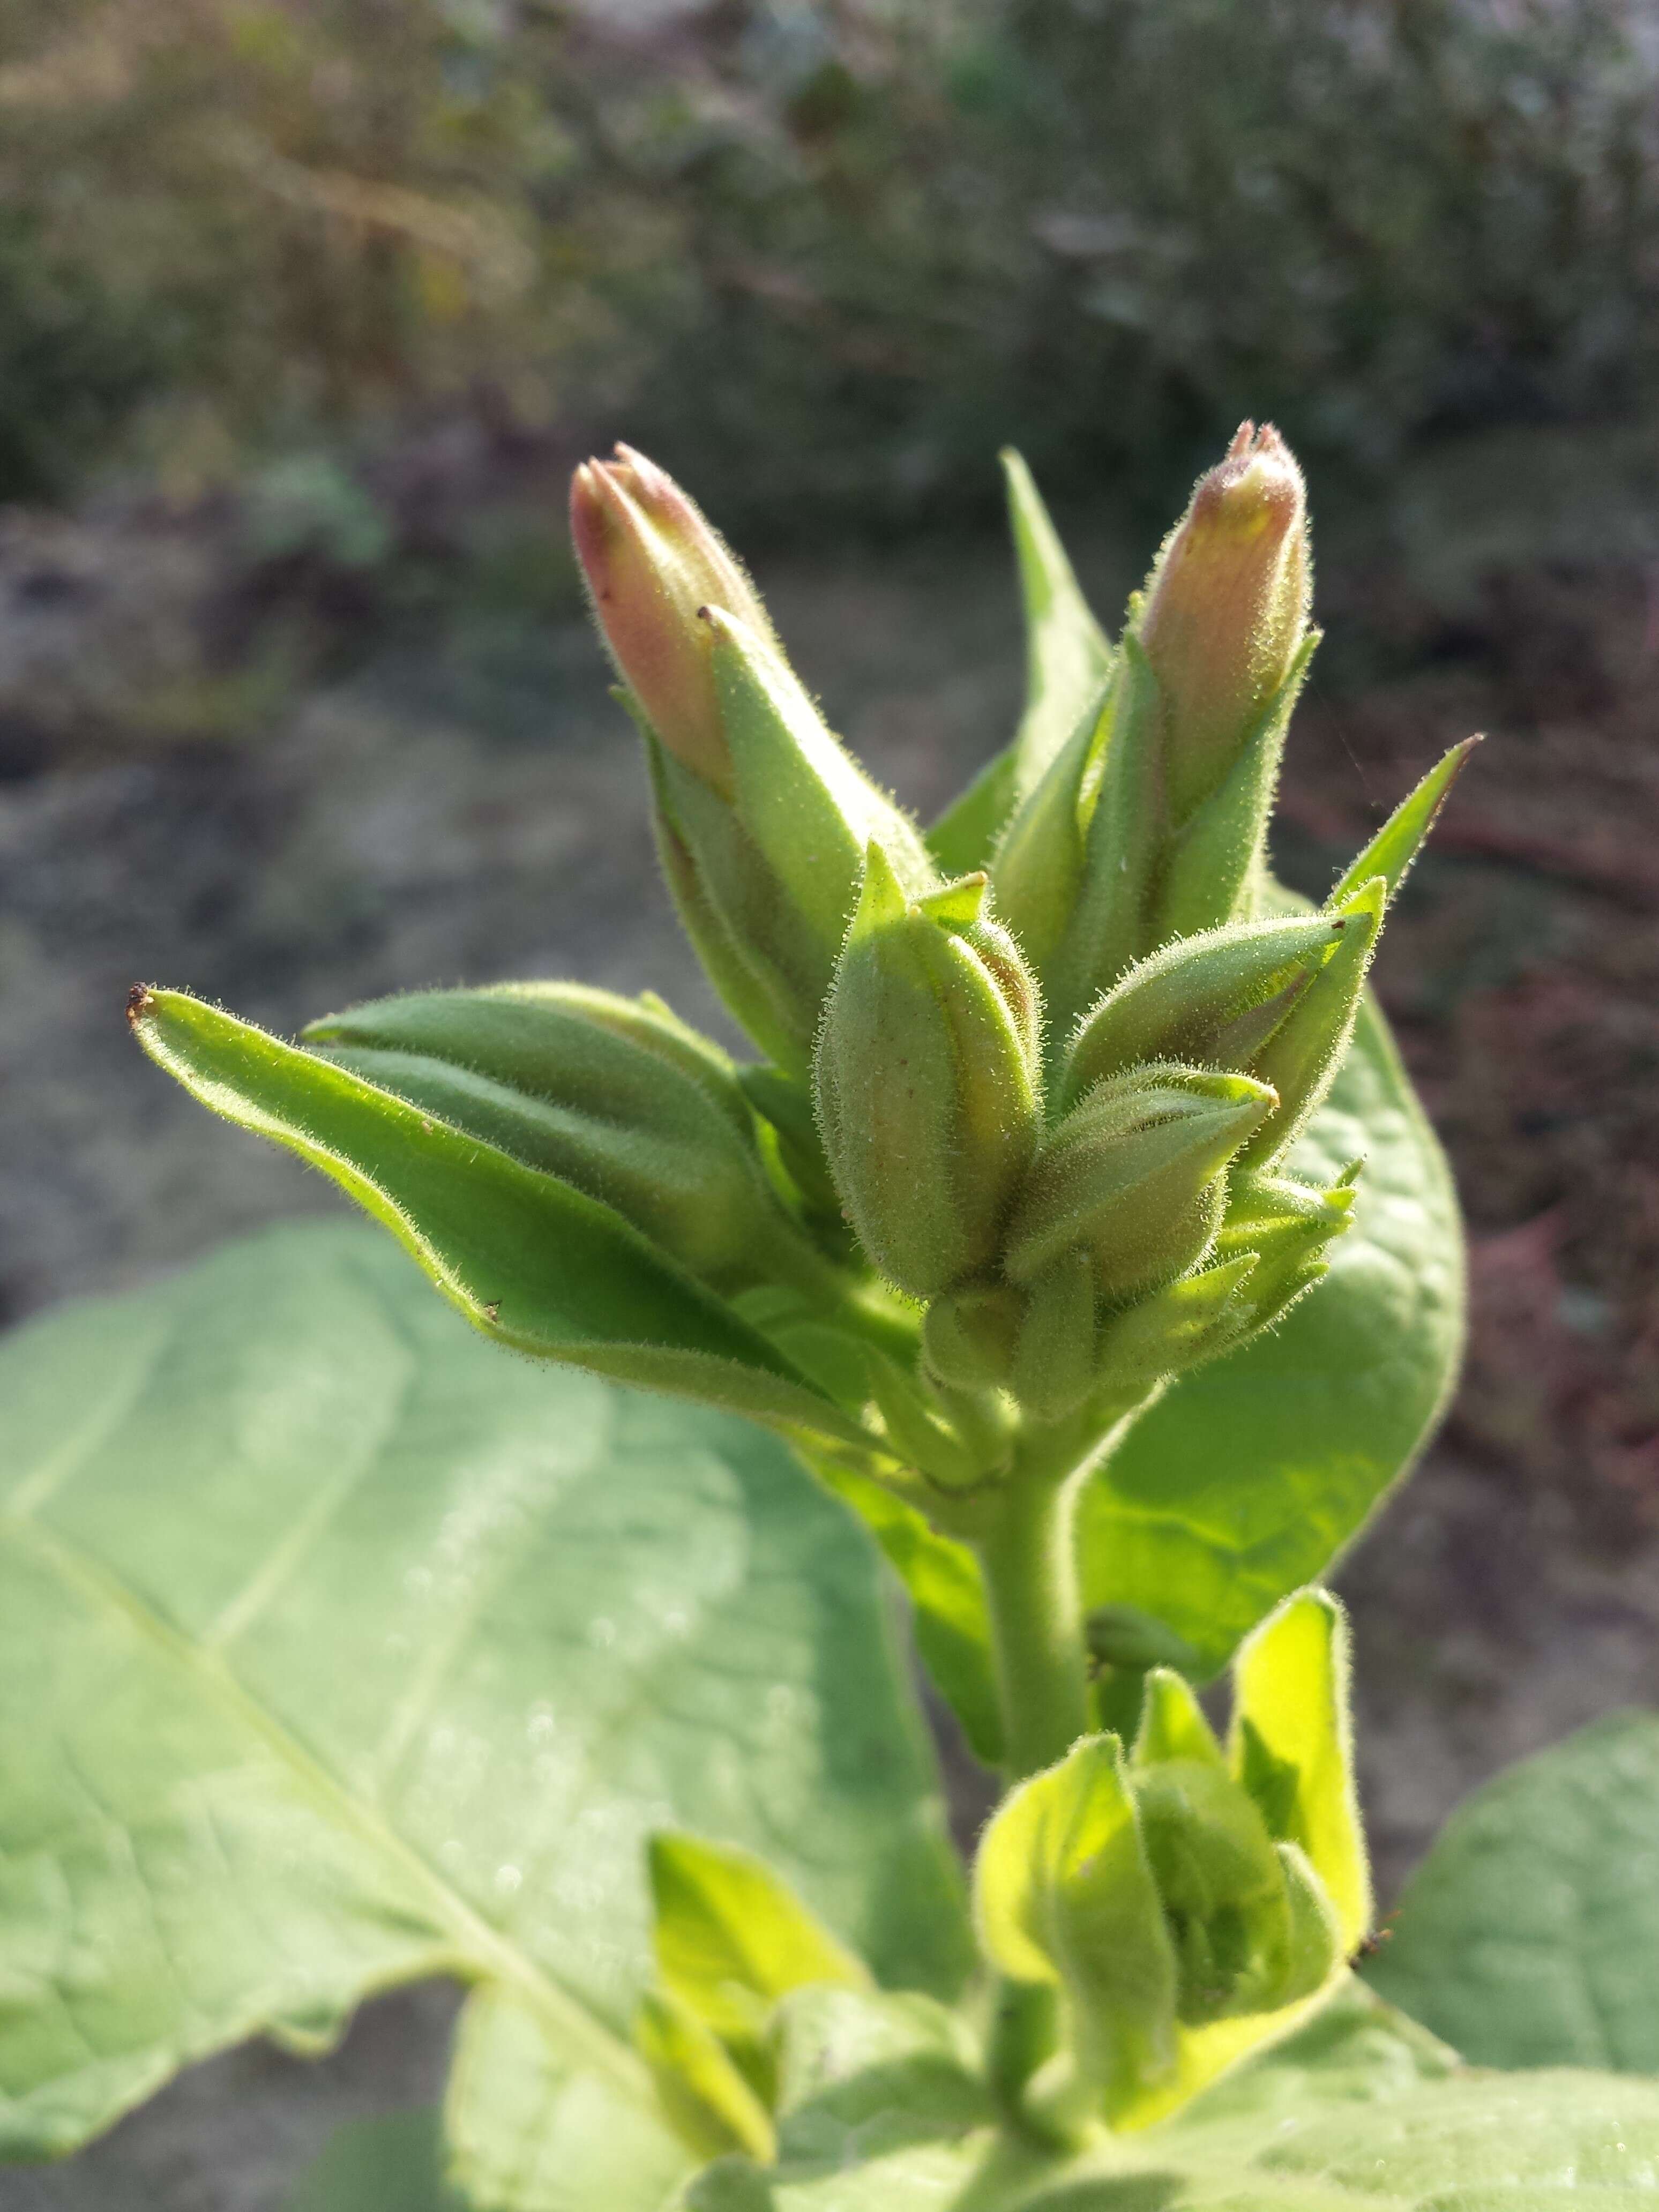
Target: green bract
{"x": 1075, "y": 1224}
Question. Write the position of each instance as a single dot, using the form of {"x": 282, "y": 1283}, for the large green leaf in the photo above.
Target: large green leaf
{"x": 536, "y": 1264}
{"x": 1530, "y": 1934}
{"x": 338, "y": 1648}
{"x": 1358, "y": 2113}
{"x": 394, "y": 2163}
{"x": 1249, "y": 1476}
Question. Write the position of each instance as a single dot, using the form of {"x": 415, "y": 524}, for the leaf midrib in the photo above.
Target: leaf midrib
{"x": 490, "y": 1953}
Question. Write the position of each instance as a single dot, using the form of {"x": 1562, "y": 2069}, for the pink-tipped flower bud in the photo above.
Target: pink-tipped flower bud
{"x": 652, "y": 563}
{"x": 1226, "y": 609}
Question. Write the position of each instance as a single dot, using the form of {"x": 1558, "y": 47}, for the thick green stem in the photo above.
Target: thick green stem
{"x": 1029, "y": 1559}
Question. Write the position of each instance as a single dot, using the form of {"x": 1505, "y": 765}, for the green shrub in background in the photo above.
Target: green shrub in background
{"x": 853, "y": 246}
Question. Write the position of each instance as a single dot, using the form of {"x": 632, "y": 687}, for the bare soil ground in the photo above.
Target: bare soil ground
{"x": 196, "y": 799}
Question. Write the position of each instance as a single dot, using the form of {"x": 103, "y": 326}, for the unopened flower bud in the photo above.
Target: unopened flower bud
{"x": 1251, "y": 1930}
{"x": 652, "y": 563}
{"x": 1226, "y": 609}
{"x": 611, "y": 1095}
{"x": 926, "y": 1079}
{"x": 1134, "y": 1175}
{"x": 1212, "y": 1000}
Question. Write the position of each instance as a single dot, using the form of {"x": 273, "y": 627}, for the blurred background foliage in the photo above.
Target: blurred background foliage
{"x": 837, "y": 250}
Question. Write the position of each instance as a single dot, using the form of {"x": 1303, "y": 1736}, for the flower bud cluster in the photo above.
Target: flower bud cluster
{"x": 1040, "y": 1112}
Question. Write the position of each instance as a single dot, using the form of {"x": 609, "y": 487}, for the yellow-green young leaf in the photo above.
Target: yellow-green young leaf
{"x": 708, "y": 2101}
{"x": 732, "y": 1939}
{"x": 330, "y": 1638}
{"x": 1064, "y": 1895}
{"x": 1172, "y": 1723}
{"x": 1292, "y": 1746}
{"x": 1067, "y": 660}
{"x": 534, "y": 1263}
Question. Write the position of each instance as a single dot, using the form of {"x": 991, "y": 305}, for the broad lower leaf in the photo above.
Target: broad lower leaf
{"x": 527, "y": 1258}
{"x": 1360, "y": 2111}
{"x": 395, "y": 2163}
{"x": 1247, "y": 1478}
{"x": 1066, "y": 662}
{"x": 1530, "y": 1935}
{"x": 336, "y": 1648}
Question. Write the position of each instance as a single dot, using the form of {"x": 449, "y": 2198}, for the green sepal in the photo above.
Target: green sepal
{"x": 1292, "y": 1746}
{"x": 1300, "y": 1060}
{"x": 1067, "y": 658}
{"x": 1172, "y": 1723}
{"x": 750, "y": 996}
{"x": 1064, "y": 1895}
{"x": 611, "y": 1095}
{"x": 1396, "y": 845}
{"x": 1287, "y": 1227}
{"x": 731, "y": 1939}
{"x": 1054, "y": 1363}
{"x": 1211, "y": 1001}
{"x": 1124, "y": 830}
{"x": 1134, "y": 1173}
{"x": 1213, "y": 860}
{"x": 707, "y": 2101}
{"x": 1177, "y": 1327}
{"x": 785, "y": 1104}
{"x": 925, "y": 1079}
{"x": 807, "y": 807}
{"x": 534, "y": 1263}
{"x": 1037, "y": 868}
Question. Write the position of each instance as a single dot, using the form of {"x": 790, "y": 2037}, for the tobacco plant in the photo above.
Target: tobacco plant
{"x": 1075, "y": 1227}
